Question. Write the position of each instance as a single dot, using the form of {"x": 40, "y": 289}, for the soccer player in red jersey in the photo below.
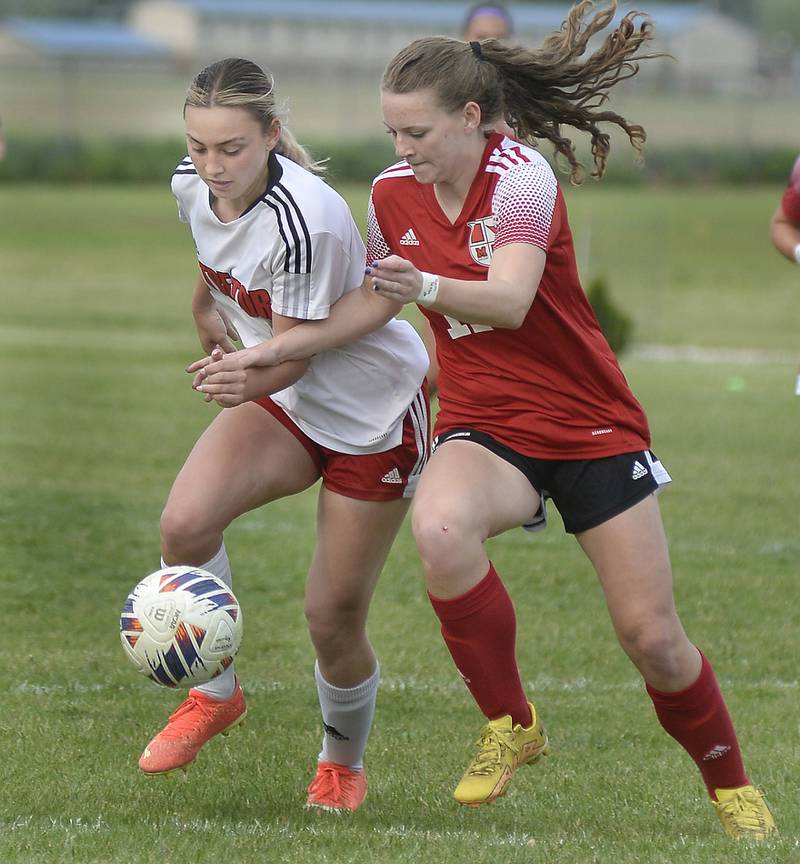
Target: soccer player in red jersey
{"x": 533, "y": 405}
{"x": 277, "y": 246}
{"x": 784, "y": 228}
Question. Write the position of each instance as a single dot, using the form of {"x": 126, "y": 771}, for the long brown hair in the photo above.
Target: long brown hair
{"x": 238, "y": 83}
{"x": 535, "y": 90}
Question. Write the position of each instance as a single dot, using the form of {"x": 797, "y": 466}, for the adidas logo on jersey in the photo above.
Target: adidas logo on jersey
{"x": 639, "y": 471}
{"x": 392, "y": 476}
{"x": 409, "y": 238}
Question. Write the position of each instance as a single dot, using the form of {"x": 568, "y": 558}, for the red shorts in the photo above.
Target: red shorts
{"x": 373, "y": 476}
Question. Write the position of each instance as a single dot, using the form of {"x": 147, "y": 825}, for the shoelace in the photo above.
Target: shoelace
{"x": 744, "y": 807}
{"x": 327, "y": 784}
{"x": 176, "y": 727}
{"x": 333, "y": 785}
{"x": 492, "y": 743}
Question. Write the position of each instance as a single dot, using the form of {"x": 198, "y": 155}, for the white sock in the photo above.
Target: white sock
{"x": 221, "y": 687}
{"x": 347, "y": 718}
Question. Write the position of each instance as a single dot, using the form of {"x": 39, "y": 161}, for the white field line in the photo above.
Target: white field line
{"x": 395, "y": 684}
{"x": 699, "y": 354}
{"x": 139, "y": 339}
{"x": 255, "y": 828}
{"x": 77, "y": 338}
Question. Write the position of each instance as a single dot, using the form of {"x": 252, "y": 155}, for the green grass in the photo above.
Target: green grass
{"x": 97, "y": 417}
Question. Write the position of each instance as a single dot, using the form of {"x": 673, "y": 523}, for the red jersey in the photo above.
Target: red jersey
{"x": 791, "y": 196}
{"x": 551, "y": 389}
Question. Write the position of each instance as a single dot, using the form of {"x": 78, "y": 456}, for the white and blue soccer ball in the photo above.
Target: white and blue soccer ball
{"x": 181, "y": 626}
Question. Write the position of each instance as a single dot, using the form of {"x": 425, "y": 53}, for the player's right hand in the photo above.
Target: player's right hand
{"x": 214, "y": 330}
{"x": 219, "y": 362}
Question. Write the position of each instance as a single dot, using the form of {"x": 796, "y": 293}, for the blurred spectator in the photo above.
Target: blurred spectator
{"x": 487, "y": 21}
{"x": 2, "y": 143}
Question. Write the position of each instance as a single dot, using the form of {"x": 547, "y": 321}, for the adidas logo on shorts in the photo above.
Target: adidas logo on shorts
{"x": 392, "y": 476}
{"x": 409, "y": 238}
{"x": 639, "y": 471}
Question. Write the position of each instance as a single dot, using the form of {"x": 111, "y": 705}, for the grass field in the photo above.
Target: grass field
{"x": 97, "y": 416}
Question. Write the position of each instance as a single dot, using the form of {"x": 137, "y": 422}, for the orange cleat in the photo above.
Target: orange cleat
{"x": 337, "y": 788}
{"x": 195, "y": 722}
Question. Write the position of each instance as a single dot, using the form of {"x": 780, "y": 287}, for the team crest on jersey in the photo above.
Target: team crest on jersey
{"x": 481, "y": 240}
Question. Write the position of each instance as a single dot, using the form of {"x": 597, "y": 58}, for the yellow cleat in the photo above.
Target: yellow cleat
{"x": 744, "y": 813}
{"x": 503, "y": 748}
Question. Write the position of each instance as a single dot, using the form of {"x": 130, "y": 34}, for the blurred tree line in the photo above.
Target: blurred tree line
{"x": 775, "y": 19}
{"x": 66, "y": 8}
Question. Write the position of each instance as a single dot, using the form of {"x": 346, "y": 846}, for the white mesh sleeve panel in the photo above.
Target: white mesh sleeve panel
{"x": 377, "y": 247}
{"x": 523, "y": 204}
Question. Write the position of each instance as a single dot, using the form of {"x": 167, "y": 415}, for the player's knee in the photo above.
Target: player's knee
{"x": 332, "y": 627}
{"x": 441, "y": 538}
{"x": 182, "y": 534}
{"x": 655, "y": 646}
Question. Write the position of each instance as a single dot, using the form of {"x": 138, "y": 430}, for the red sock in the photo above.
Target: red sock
{"x": 699, "y": 721}
{"x": 479, "y": 629}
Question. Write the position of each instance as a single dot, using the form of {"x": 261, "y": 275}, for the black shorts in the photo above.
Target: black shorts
{"x": 587, "y": 492}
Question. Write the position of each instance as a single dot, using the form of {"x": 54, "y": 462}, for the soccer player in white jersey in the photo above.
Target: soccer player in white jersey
{"x": 277, "y": 246}
{"x": 532, "y": 402}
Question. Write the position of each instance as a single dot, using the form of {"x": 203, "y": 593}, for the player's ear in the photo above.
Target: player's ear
{"x": 273, "y": 134}
{"x": 472, "y": 116}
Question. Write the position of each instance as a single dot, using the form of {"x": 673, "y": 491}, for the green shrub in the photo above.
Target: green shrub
{"x": 355, "y": 160}
{"x": 79, "y": 160}
{"x": 138, "y": 160}
{"x": 617, "y": 327}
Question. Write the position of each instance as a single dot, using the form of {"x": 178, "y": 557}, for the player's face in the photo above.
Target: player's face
{"x": 230, "y": 150}
{"x": 438, "y": 145}
{"x": 486, "y": 26}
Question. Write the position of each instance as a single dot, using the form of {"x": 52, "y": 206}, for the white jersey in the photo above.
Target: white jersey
{"x": 296, "y": 251}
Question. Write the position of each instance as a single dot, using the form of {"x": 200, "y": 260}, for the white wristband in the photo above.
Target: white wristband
{"x": 430, "y": 289}
{"x": 797, "y": 253}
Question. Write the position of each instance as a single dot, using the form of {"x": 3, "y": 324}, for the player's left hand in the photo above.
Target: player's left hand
{"x": 222, "y": 378}
{"x": 216, "y": 361}
{"x": 396, "y": 279}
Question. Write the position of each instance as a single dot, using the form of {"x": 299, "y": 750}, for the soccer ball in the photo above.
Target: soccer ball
{"x": 181, "y": 626}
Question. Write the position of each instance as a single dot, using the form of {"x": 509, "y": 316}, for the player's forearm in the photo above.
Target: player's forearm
{"x": 265, "y": 380}
{"x": 493, "y": 303}
{"x": 785, "y": 235}
{"x": 202, "y": 301}
{"x": 786, "y": 239}
{"x": 359, "y": 312}
{"x": 502, "y": 300}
